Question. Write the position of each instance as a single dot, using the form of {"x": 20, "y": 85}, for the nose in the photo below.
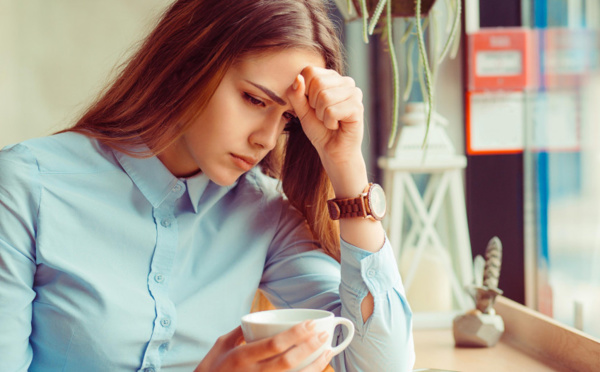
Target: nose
{"x": 266, "y": 133}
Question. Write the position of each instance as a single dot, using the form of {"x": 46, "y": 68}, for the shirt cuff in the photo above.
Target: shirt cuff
{"x": 363, "y": 271}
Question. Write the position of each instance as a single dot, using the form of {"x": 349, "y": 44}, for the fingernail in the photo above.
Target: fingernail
{"x": 295, "y": 85}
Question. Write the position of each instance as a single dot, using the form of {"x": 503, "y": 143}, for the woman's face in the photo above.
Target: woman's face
{"x": 243, "y": 119}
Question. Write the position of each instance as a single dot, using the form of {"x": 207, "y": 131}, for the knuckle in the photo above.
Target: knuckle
{"x": 350, "y": 81}
{"x": 286, "y": 362}
{"x": 309, "y": 69}
{"x": 329, "y": 112}
{"x": 315, "y": 87}
{"x": 324, "y": 96}
{"x": 314, "y": 343}
{"x": 276, "y": 345}
{"x": 320, "y": 114}
{"x": 319, "y": 82}
{"x": 297, "y": 331}
{"x": 359, "y": 93}
{"x": 358, "y": 103}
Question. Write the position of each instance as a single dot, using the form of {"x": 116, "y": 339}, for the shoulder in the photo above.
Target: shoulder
{"x": 19, "y": 174}
{"x": 68, "y": 152}
{"x": 19, "y": 180}
{"x": 256, "y": 183}
{"x": 257, "y": 187}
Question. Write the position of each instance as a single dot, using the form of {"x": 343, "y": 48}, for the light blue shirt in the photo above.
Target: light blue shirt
{"x": 110, "y": 263}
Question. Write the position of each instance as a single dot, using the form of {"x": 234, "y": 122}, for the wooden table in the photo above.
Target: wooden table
{"x": 435, "y": 349}
{"x": 531, "y": 342}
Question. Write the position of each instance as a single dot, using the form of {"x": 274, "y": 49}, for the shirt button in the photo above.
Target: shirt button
{"x": 177, "y": 188}
{"x": 371, "y": 273}
{"x": 149, "y": 369}
{"x": 159, "y": 278}
{"x": 164, "y": 346}
{"x": 166, "y": 222}
{"x": 165, "y": 322}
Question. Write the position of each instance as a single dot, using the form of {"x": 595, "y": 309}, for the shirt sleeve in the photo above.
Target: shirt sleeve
{"x": 384, "y": 342}
{"x": 19, "y": 201}
{"x": 297, "y": 275}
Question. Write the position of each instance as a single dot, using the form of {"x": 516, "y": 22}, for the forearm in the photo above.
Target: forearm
{"x": 349, "y": 179}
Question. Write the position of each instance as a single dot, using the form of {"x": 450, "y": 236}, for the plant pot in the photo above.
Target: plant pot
{"x": 400, "y": 8}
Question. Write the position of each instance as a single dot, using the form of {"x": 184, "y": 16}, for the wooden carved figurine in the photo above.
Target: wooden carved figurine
{"x": 481, "y": 327}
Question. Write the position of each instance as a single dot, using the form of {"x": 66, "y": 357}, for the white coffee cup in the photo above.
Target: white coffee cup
{"x": 264, "y": 324}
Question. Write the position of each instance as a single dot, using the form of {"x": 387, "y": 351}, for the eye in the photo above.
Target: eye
{"x": 253, "y": 100}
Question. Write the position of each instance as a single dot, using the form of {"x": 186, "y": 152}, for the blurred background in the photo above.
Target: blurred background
{"x": 56, "y": 56}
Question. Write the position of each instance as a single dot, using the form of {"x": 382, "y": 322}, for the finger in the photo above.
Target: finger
{"x": 324, "y": 81}
{"x": 231, "y": 339}
{"x": 294, "y": 356}
{"x": 313, "y": 72}
{"x": 328, "y": 97}
{"x": 222, "y": 346}
{"x": 320, "y": 363}
{"x": 298, "y": 100}
{"x": 272, "y": 346}
{"x": 312, "y": 127}
{"x": 349, "y": 111}
{"x": 319, "y": 80}
{"x": 333, "y": 96}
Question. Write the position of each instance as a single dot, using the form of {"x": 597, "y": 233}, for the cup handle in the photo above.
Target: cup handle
{"x": 350, "y": 326}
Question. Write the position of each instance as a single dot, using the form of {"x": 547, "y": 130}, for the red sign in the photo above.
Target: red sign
{"x": 502, "y": 59}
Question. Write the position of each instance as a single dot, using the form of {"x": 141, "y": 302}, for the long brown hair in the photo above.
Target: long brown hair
{"x": 173, "y": 75}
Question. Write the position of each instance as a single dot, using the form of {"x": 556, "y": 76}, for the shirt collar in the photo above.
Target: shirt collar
{"x": 155, "y": 181}
{"x": 196, "y": 186}
{"x": 149, "y": 174}
{"x": 204, "y": 193}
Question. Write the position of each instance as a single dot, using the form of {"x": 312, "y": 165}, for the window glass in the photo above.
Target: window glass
{"x": 562, "y": 163}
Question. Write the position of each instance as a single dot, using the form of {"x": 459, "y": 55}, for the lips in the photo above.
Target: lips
{"x": 244, "y": 162}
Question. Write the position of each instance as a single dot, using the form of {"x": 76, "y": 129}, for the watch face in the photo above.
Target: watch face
{"x": 377, "y": 202}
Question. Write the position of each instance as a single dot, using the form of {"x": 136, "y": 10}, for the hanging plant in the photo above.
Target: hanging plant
{"x": 370, "y": 12}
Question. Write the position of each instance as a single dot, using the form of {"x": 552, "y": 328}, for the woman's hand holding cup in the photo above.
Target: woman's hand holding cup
{"x": 278, "y": 340}
{"x": 266, "y": 326}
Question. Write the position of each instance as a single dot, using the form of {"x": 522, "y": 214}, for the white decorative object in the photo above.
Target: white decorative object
{"x": 410, "y": 143}
{"x": 441, "y": 168}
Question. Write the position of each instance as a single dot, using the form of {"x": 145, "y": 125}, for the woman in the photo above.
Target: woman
{"x": 136, "y": 239}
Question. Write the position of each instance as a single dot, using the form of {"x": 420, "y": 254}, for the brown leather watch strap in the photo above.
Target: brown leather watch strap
{"x": 344, "y": 208}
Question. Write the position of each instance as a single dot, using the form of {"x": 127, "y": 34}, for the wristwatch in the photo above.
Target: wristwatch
{"x": 369, "y": 204}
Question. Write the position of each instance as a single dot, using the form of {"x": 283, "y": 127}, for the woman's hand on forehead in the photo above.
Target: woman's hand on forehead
{"x": 329, "y": 107}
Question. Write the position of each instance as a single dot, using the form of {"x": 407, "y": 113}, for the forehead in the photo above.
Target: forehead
{"x": 279, "y": 60}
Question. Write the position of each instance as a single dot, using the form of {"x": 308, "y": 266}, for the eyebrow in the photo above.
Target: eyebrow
{"x": 270, "y": 93}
